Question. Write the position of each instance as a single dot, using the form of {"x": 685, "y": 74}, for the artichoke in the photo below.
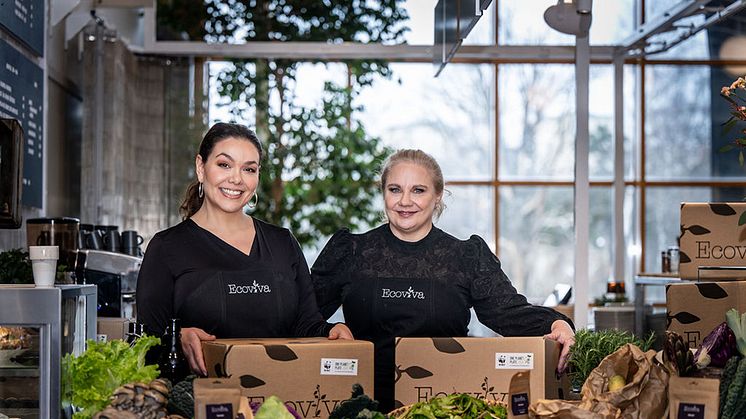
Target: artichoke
{"x": 677, "y": 358}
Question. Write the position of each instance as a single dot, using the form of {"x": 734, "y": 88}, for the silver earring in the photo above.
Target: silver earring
{"x": 200, "y": 191}
{"x": 256, "y": 201}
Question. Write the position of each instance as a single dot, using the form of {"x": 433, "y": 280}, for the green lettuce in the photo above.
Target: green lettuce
{"x": 89, "y": 380}
{"x": 273, "y": 408}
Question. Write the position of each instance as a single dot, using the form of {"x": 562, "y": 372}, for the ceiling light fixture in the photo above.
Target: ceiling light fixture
{"x": 571, "y": 17}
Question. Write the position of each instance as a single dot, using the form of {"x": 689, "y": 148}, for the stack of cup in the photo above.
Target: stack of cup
{"x": 44, "y": 264}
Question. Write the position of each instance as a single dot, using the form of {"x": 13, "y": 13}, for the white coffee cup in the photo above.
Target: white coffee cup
{"x": 44, "y": 264}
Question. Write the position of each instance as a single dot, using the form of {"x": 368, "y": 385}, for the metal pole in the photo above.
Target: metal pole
{"x": 582, "y": 182}
{"x": 98, "y": 121}
{"x": 618, "y": 211}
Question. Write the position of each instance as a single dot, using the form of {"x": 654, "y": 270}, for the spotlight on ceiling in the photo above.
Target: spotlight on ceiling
{"x": 570, "y": 17}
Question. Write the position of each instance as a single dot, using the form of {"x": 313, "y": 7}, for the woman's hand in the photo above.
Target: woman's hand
{"x": 340, "y": 331}
{"x": 191, "y": 344}
{"x": 562, "y": 333}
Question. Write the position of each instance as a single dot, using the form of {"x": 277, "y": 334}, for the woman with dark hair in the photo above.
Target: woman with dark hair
{"x": 224, "y": 273}
{"x": 409, "y": 278}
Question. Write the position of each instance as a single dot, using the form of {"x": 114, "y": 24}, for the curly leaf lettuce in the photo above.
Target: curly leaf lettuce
{"x": 89, "y": 379}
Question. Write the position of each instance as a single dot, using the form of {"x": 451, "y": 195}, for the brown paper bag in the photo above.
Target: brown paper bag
{"x": 519, "y": 395}
{"x": 216, "y": 398}
{"x": 644, "y": 396}
{"x": 695, "y": 398}
{"x": 562, "y": 409}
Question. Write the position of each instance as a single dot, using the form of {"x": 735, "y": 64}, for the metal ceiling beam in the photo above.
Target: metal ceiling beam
{"x": 720, "y": 14}
{"x": 354, "y": 51}
{"x": 663, "y": 23}
{"x": 645, "y": 38}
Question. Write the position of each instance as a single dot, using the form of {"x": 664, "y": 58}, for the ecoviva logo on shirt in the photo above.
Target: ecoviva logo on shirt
{"x": 409, "y": 293}
{"x": 254, "y": 288}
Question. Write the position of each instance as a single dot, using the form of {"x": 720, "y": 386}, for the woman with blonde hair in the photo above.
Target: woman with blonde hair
{"x": 409, "y": 278}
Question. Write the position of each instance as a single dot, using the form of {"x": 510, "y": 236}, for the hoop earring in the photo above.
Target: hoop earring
{"x": 200, "y": 191}
{"x": 256, "y": 201}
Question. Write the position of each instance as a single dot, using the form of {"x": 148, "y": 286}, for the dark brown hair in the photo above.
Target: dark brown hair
{"x": 217, "y": 133}
{"x": 421, "y": 159}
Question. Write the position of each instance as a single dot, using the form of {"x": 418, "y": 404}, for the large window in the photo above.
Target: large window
{"x": 504, "y": 134}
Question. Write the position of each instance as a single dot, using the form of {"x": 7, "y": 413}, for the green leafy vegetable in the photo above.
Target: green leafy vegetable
{"x": 273, "y": 408}
{"x": 358, "y": 406}
{"x": 738, "y": 325}
{"x": 455, "y": 406}
{"x": 726, "y": 378}
{"x": 734, "y": 401}
{"x": 89, "y": 379}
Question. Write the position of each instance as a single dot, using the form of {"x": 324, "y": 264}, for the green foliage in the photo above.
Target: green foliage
{"x": 15, "y": 267}
{"x": 591, "y": 348}
{"x": 273, "y": 408}
{"x": 737, "y": 323}
{"x": 734, "y": 95}
{"x": 456, "y": 406}
{"x": 329, "y": 171}
{"x": 90, "y": 379}
{"x": 181, "y": 398}
{"x": 358, "y": 406}
{"x": 320, "y": 167}
{"x": 734, "y": 406}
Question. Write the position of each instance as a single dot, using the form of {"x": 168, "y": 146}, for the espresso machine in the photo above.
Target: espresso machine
{"x": 115, "y": 275}
{"x": 57, "y": 231}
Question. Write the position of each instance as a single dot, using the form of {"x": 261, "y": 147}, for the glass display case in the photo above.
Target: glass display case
{"x": 38, "y": 326}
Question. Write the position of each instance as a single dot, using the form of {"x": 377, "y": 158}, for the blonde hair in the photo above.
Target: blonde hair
{"x": 421, "y": 159}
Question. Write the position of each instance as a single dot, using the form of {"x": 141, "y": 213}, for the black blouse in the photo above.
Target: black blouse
{"x": 191, "y": 274}
{"x": 391, "y": 288}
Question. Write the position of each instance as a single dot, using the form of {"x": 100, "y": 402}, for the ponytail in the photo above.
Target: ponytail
{"x": 192, "y": 202}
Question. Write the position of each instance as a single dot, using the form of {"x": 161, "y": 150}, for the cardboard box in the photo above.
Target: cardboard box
{"x": 711, "y": 235}
{"x": 112, "y": 327}
{"x": 312, "y": 375}
{"x": 482, "y": 367}
{"x": 694, "y": 309}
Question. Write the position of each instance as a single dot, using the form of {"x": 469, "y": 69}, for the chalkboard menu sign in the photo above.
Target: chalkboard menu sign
{"x": 21, "y": 98}
{"x": 25, "y": 20}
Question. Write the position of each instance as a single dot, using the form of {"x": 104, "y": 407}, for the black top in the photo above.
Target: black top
{"x": 191, "y": 274}
{"x": 391, "y": 288}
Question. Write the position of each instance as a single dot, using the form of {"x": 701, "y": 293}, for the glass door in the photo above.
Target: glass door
{"x": 20, "y": 386}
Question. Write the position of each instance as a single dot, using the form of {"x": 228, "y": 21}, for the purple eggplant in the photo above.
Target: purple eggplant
{"x": 716, "y": 348}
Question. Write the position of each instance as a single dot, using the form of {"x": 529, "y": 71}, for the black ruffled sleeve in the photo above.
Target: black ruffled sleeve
{"x": 330, "y": 272}
{"x": 497, "y": 303}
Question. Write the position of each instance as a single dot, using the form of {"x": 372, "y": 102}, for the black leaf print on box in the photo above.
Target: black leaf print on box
{"x": 684, "y": 258}
{"x": 249, "y": 381}
{"x": 417, "y": 372}
{"x": 722, "y": 209}
{"x": 448, "y": 345}
{"x": 711, "y": 290}
{"x": 219, "y": 370}
{"x": 280, "y": 352}
{"x": 684, "y": 317}
{"x": 697, "y": 230}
